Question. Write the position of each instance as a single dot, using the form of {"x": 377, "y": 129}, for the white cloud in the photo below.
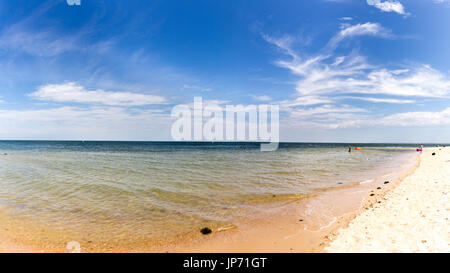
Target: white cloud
{"x": 329, "y": 117}
{"x": 324, "y": 109}
{"x": 73, "y": 92}
{"x": 388, "y": 6}
{"x": 407, "y": 119}
{"x": 348, "y": 31}
{"x": 380, "y": 100}
{"x": 325, "y": 74}
{"x": 99, "y": 122}
{"x": 284, "y": 43}
{"x": 326, "y": 78}
{"x": 304, "y": 100}
{"x": 40, "y": 44}
{"x": 356, "y": 76}
{"x": 48, "y": 41}
{"x": 417, "y": 119}
{"x": 361, "y": 29}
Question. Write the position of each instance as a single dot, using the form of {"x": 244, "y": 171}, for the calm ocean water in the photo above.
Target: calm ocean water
{"x": 156, "y": 190}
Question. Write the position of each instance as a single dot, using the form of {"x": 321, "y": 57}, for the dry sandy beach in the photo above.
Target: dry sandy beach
{"x": 412, "y": 217}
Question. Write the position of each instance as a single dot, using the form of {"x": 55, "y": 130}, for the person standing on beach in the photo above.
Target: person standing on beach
{"x": 349, "y": 148}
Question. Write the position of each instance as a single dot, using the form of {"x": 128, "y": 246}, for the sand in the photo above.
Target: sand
{"x": 412, "y": 217}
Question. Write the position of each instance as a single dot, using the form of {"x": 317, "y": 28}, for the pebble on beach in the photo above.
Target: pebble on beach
{"x": 205, "y": 231}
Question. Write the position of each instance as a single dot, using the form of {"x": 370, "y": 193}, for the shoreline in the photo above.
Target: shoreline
{"x": 412, "y": 217}
{"x": 292, "y": 227}
{"x": 286, "y": 233}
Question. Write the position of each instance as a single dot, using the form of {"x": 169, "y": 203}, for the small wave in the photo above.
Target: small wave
{"x": 225, "y": 228}
{"x": 367, "y": 181}
{"x": 323, "y": 227}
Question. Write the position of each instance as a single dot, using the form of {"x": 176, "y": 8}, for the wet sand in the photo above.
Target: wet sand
{"x": 413, "y": 217}
{"x": 304, "y": 225}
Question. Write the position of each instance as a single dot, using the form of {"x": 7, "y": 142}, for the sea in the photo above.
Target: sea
{"x": 112, "y": 192}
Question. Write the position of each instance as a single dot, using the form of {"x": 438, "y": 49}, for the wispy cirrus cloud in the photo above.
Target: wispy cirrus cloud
{"x": 328, "y": 74}
{"x": 39, "y": 44}
{"x": 380, "y": 100}
{"x": 73, "y": 92}
{"x": 366, "y": 29}
{"x": 304, "y": 101}
{"x": 355, "y": 75}
{"x": 283, "y": 43}
{"x": 23, "y": 37}
{"x": 325, "y": 109}
{"x": 326, "y": 78}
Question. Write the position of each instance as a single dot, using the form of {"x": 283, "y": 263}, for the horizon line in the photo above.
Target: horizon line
{"x": 217, "y": 142}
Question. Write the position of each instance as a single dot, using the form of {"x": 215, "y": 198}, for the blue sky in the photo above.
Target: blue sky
{"x": 341, "y": 70}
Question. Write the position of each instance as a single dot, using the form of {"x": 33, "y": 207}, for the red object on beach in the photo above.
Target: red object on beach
{"x": 419, "y": 150}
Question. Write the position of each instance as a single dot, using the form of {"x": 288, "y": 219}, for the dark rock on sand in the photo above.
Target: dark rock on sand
{"x": 386, "y": 182}
{"x": 372, "y": 194}
{"x": 205, "y": 231}
{"x": 379, "y": 188}
{"x": 433, "y": 154}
